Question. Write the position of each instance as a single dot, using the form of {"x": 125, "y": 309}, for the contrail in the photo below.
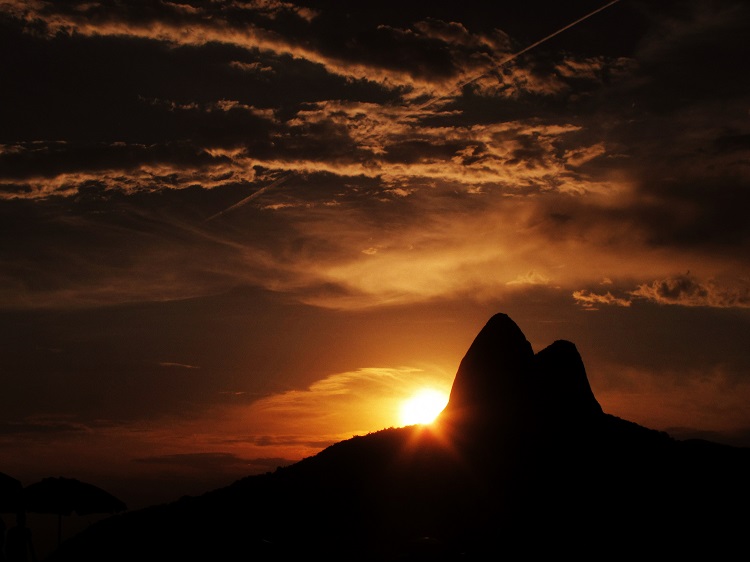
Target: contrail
{"x": 252, "y": 196}
{"x": 517, "y": 54}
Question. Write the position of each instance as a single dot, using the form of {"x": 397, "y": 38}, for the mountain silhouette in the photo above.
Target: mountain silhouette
{"x": 522, "y": 462}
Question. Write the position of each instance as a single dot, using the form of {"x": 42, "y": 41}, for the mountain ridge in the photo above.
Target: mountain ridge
{"x": 522, "y": 459}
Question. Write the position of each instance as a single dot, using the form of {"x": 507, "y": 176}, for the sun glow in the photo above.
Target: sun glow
{"x": 423, "y": 407}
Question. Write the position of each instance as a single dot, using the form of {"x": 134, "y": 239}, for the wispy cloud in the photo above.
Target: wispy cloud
{"x": 169, "y": 364}
{"x": 591, "y": 300}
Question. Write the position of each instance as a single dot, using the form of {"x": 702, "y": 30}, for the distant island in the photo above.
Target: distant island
{"x": 522, "y": 462}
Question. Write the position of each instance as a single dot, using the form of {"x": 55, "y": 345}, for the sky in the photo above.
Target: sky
{"x": 235, "y": 232}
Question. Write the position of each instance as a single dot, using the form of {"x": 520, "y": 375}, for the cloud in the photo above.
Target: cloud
{"x": 591, "y": 300}
{"x": 291, "y": 440}
{"x": 679, "y": 290}
{"x": 557, "y": 164}
{"x": 44, "y": 425}
{"x": 457, "y": 34}
{"x": 530, "y": 278}
{"x": 168, "y": 364}
{"x": 253, "y": 27}
{"x": 215, "y": 462}
{"x": 340, "y": 138}
{"x": 687, "y": 290}
{"x": 427, "y": 57}
{"x": 685, "y": 403}
{"x": 296, "y": 423}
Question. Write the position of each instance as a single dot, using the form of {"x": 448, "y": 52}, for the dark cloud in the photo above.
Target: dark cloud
{"x": 32, "y": 161}
{"x": 739, "y": 438}
{"x": 412, "y": 151}
{"x": 687, "y": 290}
{"x": 689, "y": 55}
{"x": 269, "y": 441}
{"x": 114, "y": 88}
{"x": 680, "y": 290}
{"x": 42, "y": 427}
{"x": 215, "y": 462}
{"x": 699, "y": 213}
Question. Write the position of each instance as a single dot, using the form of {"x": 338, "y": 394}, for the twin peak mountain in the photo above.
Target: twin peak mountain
{"x": 501, "y": 382}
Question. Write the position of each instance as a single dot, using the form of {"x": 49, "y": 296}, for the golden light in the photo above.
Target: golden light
{"x": 423, "y": 407}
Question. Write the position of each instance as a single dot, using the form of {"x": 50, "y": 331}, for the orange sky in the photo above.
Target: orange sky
{"x": 235, "y": 233}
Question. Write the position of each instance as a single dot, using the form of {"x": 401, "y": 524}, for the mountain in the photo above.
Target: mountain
{"x": 522, "y": 462}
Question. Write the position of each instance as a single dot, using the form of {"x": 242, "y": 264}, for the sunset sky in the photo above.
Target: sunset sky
{"x": 235, "y": 232}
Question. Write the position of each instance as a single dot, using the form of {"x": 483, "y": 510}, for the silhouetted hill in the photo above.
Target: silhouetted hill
{"x": 522, "y": 462}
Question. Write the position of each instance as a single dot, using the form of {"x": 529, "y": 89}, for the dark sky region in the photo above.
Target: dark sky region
{"x": 234, "y": 232}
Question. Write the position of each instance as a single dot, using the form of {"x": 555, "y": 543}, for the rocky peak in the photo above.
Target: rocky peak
{"x": 501, "y": 382}
{"x": 563, "y": 388}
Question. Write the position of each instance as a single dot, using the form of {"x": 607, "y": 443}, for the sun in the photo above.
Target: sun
{"x": 423, "y": 407}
